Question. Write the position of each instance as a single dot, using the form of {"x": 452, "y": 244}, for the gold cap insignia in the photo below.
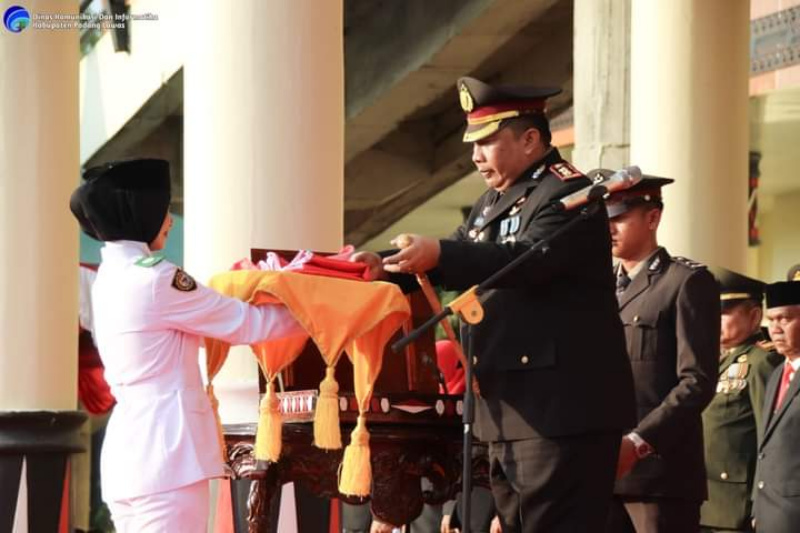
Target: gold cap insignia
{"x": 467, "y": 103}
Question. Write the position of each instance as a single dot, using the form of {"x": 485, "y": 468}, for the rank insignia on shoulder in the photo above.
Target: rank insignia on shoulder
{"x": 148, "y": 261}
{"x": 565, "y": 171}
{"x": 767, "y": 346}
{"x": 183, "y": 281}
{"x": 694, "y": 265}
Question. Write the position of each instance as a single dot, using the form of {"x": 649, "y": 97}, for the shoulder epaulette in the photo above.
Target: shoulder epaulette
{"x": 694, "y": 265}
{"x": 565, "y": 172}
{"x": 767, "y": 346}
{"x": 148, "y": 261}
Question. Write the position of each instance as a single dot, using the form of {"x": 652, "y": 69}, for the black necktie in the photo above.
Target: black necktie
{"x": 622, "y": 281}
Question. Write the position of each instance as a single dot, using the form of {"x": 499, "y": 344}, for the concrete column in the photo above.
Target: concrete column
{"x": 39, "y": 168}
{"x": 264, "y": 141}
{"x": 689, "y": 95}
{"x": 602, "y": 83}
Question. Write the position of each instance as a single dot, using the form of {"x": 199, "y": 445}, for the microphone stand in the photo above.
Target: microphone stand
{"x": 470, "y": 310}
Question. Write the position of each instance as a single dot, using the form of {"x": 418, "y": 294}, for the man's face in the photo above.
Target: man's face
{"x": 739, "y": 322}
{"x": 503, "y": 156}
{"x": 632, "y": 231}
{"x": 784, "y": 329}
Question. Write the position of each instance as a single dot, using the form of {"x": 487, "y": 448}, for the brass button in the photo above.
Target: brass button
{"x": 474, "y": 360}
{"x": 524, "y": 359}
{"x": 760, "y": 485}
{"x": 723, "y": 476}
{"x": 636, "y": 318}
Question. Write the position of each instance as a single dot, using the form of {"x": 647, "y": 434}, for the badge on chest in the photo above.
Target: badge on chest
{"x": 509, "y": 227}
{"x": 734, "y": 378}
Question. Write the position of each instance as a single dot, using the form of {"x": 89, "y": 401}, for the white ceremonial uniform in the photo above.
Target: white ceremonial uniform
{"x": 162, "y": 434}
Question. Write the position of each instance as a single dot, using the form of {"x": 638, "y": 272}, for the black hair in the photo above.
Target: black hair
{"x": 532, "y": 120}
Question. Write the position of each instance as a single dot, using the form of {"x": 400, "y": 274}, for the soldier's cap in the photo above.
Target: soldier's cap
{"x": 794, "y": 273}
{"x": 783, "y": 293}
{"x": 123, "y": 200}
{"x": 735, "y": 288}
{"x": 487, "y": 106}
{"x": 646, "y": 192}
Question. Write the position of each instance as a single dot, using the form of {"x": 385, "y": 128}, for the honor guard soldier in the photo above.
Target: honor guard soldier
{"x": 670, "y": 310}
{"x": 161, "y": 444}
{"x": 777, "y": 493}
{"x": 732, "y": 421}
{"x": 549, "y": 356}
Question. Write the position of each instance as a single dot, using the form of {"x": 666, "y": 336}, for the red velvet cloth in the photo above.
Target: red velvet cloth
{"x": 335, "y": 266}
{"x": 93, "y": 391}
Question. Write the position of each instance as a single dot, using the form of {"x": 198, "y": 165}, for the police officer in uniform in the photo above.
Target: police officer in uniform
{"x": 161, "y": 444}
{"x": 549, "y": 355}
{"x": 732, "y": 421}
{"x": 670, "y": 310}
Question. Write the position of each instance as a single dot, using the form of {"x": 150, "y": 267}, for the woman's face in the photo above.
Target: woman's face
{"x": 161, "y": 239}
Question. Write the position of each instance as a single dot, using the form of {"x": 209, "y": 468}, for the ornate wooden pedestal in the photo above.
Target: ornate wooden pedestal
{"x": 411, "y": 437}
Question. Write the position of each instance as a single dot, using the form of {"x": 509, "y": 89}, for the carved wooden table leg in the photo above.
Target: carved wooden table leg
{"x": 396, "y": 489}
{"x": 262, "y": 491}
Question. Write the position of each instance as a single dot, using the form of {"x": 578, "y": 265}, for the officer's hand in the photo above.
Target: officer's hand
{"x": 496, "y": 527}
{"x": 417, "y": 254}
{"x": 627, "y": 457}
{"x": 373, "y": 260}
{"x": 445, "y": 527}
{"x": 380, "y": 527}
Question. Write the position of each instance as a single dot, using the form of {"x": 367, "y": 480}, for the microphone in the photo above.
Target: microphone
{"x": 619, "y": 181}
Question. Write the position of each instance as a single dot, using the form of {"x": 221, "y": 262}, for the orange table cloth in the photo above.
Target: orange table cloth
{"x": 340, "y": 316}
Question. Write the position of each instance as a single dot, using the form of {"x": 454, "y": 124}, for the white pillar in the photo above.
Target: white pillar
{"x": 264, "y": 140}
{"x": 602, "y": 83}
{"x": 689, "y": 96}
{"x": 39, "y": 169}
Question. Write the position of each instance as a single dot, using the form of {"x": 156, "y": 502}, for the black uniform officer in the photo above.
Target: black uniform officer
{"x": 670, "y": 310}
{"x": 549, "y": 355}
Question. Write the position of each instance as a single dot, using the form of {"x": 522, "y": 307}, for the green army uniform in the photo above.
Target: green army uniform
{"x": 732, "y": 422}
{"x": 732, "y": 428}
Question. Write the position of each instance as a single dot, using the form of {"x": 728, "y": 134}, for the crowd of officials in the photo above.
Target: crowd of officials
{"x": 622, "y": 389}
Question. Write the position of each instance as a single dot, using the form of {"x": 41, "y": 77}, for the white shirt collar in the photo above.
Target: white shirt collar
{"x": 122, "y": 250}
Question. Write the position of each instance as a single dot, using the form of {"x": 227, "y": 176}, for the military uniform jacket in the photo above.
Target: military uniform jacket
{"x": 777, "y": 493}
{"x": 671, "y": 316}
{"x": 549, "y": 354}
{"x": 149, "y": 318}
{"x": 732, "y": 426}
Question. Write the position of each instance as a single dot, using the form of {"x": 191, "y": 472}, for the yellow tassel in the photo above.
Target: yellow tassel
{"x": 327, "y": 434}
{"x": 215, "y": 408}
{"x": 355, "y": 478}
{"x": 270, "y": 427}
